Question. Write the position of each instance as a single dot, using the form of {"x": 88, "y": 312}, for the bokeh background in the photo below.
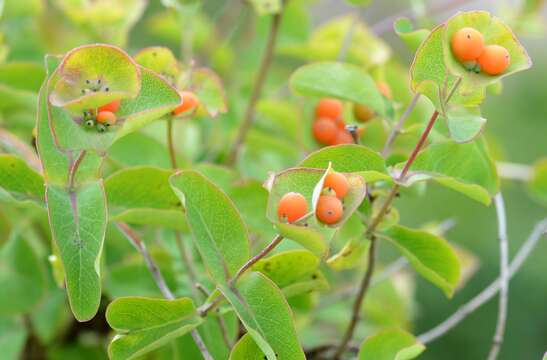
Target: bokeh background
{"x": 516, "y": 131}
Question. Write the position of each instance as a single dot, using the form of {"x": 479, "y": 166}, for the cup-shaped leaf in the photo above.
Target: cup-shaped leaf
{"x": 309, "y": 232}
{"x": 93, "y": 75}
{"x": 431, "y": 77}
{"x": 494, "y": 32}
{"x": 338, "y": 80}
{"x": 349, "y": 158}
{"x": 144, "y": 324}
{"x": 155, "y": 99}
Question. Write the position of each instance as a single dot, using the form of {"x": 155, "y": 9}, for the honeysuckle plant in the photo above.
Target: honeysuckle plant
{"x": 184, "y": 256}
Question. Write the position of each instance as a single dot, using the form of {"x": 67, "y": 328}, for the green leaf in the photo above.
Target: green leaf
{"x": 246, "y": 349}
{"x": 266, "y": 7}
{"x": 155, "y": 99}
{"x": 22, "y": 276}
{"x": 349, "y": 158}
{"x": 494, "y": 32}
{"x": 413, "y": 37}
{"x": 266, "y": 315}
{"x": 13, "y": 336}
{"x": 141, "y": 188}
{"x": 144, "y": 324}
{"x": 315, "y": 235}
{"x": 350, "y": 255}
{"x": 430, "y": 255}
{"x": 294, "y": 272}
{"x": 465, "y": 124}
{"x": 19, "y": 179}
{"x": 430, "y": 76}
{"x": 19, "y": 83}
{"x": 208, "y": 87}
{"x": 89, "y": 63}
{"x": 343, "y": 81}
{"x": 537, "y": 185}
{"x": 219, "y": 232}
{"x": 466, "y": 168}
{"x": 161, "y": 60}
{"x": 78, "y": 224}
{"x": 391, "y": 344}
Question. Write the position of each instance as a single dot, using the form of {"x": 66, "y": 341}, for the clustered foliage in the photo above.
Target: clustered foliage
{"x": 210, "y": 223}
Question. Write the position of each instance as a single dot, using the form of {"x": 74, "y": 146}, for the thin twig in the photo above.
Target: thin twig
{"x": 257, "y": 257}
{"x": 358, "y": 300}
{"x": 504, "y": 277}
{"x": 170, "y": 144}
{"x": 488, "y": 293}
{"x": 397, "y": 128}
{"x": 158, "y": 278}
{"x": 257, "y": 88}
{"x": 514, "y": 171}
{"x": 348, "y": 36}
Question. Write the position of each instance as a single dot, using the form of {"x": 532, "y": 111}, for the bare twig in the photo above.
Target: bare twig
{"x": 514, "y": 171}
{"x": 397, "y": 128}
{"x": 158, "y": 278}
{"x": 170, "y": 145}
{"x": 504, "y": 277}
{"x": 257, "y": 88}
{"x": 348, "y": 37}
{"x": 257, "y": 257}
{"x": 358, "y": 300}
{"x": 488, "y": 293}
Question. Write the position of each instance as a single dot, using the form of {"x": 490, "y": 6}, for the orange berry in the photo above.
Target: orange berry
{"x": 467, "y": 44}
{"x": 362, "y": 113}
{"x": 384, "y": 89}
{"x": 494, "y": 60}
{"x": 329, "y": 108}
{"x": 292, "y": 207}
{"x": 189, "y": 102}
{"x": 112, "y": 106}
{"x": 343, "y": 137}
{"x": 337, "y": 182}
{"x": 329, "y": 209}
{"x": 107, "y": 118}
{"x": 324, "y": 131}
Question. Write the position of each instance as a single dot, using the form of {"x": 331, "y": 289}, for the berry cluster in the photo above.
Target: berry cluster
{"x": 103, "y": 117}
{"x": 293, "y": 206}
{"x": 329, "y": 127}
{"x": 468, "y": 47}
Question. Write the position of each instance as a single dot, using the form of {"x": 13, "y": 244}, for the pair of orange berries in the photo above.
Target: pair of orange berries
{"x": 329, "y": 127}
{"x": 293, "y": 206}
{"x": 468, "y": 47}
{"x": 106, "y": 114}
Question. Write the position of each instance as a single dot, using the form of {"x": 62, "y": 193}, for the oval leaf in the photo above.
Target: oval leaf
{"x": 391, "y": 344}
{"x": 430, "y": 255}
